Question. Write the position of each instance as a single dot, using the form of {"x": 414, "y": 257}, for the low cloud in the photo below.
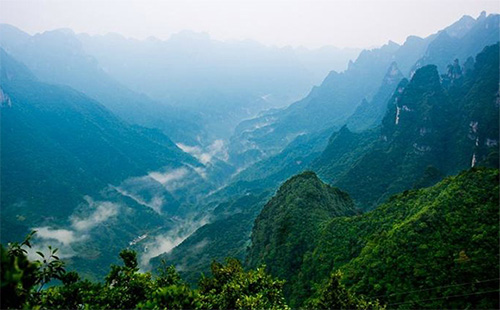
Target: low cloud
{"x": 217, "y": 149}
{"x": 166, "y": 242}
{"x": 197, "y": 248}
{"x": 202, "y": 172}
{"x": 155, "y": 203}
{"x": 155, "y": 189}
{"x": 103, "y": 211}
{"x": 63, "y": 238}
{"x": 165, "y": 178}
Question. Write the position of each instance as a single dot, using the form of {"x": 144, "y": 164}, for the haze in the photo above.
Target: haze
{"x": 281, "y": 23}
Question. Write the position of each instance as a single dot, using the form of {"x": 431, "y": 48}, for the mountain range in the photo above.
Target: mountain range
{"x": 382, "y": 179}
{"x": 438, "y": 138}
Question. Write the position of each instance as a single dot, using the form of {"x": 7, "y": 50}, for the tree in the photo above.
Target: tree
{"x": 336, "y": 296}
{"x": 233, "y": 288}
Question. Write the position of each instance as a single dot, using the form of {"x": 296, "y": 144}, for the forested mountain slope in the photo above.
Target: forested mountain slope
{"x": 463, "y": 39}
{"x": 360, "y": 93}
{"x": 412, "y": 251}
{"x": 69, "y": 165}
{"x": 420, "y": 246}
{"x": 58, "y": 57}
{"x": 436, "y": 139}
{"x": 434, "y": 126}
{"x": 290, "y": 222}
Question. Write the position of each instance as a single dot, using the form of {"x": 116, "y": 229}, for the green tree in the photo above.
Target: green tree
{"x": 334, "y": 295}
{"x": 233, "y": 288}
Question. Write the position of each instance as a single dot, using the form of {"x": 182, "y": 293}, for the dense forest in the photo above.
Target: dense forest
{"x": 192, "y": 173}
{"x": 429, "y": 248}
{"x": 415, "y": 250}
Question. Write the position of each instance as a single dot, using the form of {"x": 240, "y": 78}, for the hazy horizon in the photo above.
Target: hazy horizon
{"x": 298, "y": 23}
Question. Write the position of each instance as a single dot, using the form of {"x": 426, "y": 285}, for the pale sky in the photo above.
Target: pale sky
{"x": 310, "y": 23}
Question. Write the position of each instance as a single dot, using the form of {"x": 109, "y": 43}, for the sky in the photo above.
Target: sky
{"x": 309, "y": 23}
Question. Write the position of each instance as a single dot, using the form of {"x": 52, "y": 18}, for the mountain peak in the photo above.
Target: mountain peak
{"x": 412, "y": 39}
{"x": 291, "y": 221}
{"x": 306, "y": 175}
{"x": 64, "y": 31}
{"x": 481, "y": 16}
{"x": 427, "y": 76}
{"x": 460, "y": 27}
{"x": 391, "y": 46}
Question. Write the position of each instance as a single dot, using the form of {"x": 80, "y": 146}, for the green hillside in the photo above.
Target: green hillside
{"x": 420, "y": 249}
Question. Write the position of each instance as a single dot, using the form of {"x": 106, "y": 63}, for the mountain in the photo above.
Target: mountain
{"x": 359, "y": 160}
{"x": 194, "y": 61}
{"x": 362, "y": 88}
{"x": 335, "y": 155}
{"x": 290, "y": 222}
{"x": 75, "y": 172}
{"x": 369, "y": 114}
{"x": 293, "y": 159}
{"x": 213, "y": 79}
{"x": 430, "y": 248}
{"x": 327, "y": 105}
{"x": 225, "y": 81}
{"x": 434, "y": 126}
{"x": 58, "y": 57}
{"x": 227, "y": 235}
{"x": 463, "y": 39}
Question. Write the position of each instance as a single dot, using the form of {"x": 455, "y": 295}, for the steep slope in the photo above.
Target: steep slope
{"x": 431, "y": 129}
{"x": 227, "y": 235}
{"x": 369, "y": 114}
{"x": 434, "y": 248}
{"x": 85, "y": 179}
{"x": 290, "y": 222}
{"x": 327, "y": 105}
{"x": 58, "y": 57}
{"x": 293, "y": 159}
{"x": 346, "y": 149}
{"x": 362, "y": 89}
{"x": 463, "y": 39}
{"x": 215, "y": 77}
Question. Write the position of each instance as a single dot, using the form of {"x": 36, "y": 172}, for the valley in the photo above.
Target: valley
{"x": 374, "y": 171}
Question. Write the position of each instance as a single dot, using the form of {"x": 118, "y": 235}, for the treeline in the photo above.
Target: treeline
{"x": 431, "y": 248}
{"x": 45, "y": 284}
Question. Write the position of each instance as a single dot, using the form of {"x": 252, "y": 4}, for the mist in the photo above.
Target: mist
{"x": 297, "y": 23}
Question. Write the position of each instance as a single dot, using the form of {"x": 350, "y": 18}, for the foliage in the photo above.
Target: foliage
{"x": 19, "y": 275}
{"x": 227, "y": 235}
{"x": 434, "y": 126}
{"x": 290, "y": 222}
{"x": 22, "y": 280}
{"x": 418, "y": 249}
{"x": 334, "y": 295}
{"x": 233, "y": 288}
{"x": 230, "y": 287}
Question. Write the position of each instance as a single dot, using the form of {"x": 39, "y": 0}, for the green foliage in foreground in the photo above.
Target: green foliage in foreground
{"x": 334, "y": 295}
{"x": 230, "y": 287}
